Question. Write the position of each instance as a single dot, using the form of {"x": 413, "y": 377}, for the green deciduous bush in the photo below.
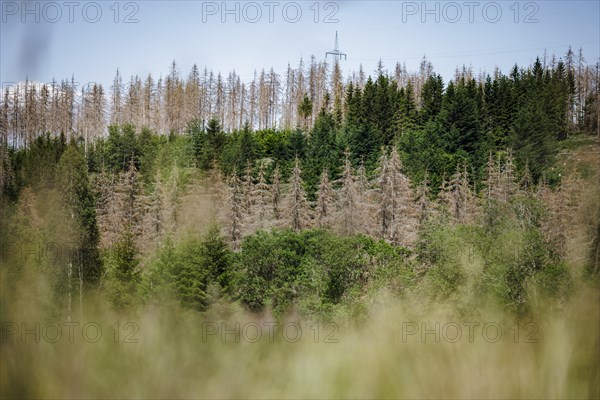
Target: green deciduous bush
{"x": 314, "y": 270}
{"x": 506, "y": 259}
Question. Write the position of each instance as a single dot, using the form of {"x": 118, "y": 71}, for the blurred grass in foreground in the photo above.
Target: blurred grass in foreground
{"x": 179, "y": 355}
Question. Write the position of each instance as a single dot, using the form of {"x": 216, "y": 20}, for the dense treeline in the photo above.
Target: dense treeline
{"x": 269, "y": 101}
{"x": 382, "y": 183}
{"x": 437, "y": 126}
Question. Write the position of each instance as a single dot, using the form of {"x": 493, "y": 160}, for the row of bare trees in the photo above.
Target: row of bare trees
{"x": 268, "y": 100}
{"x": 123, "y": 206}
{"x": 30, "y": 109}
{"x": 386, "y": 206}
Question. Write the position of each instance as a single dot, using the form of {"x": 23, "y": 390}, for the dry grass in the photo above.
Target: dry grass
{"x": 176, "y": 356}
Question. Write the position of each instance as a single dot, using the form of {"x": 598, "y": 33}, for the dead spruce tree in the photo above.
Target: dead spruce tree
{"x": 526, "y": 182}
{"x": 396, "y": 213}
{"x": 362, "y": 182}
{"x": 172, "y": 204}
{"x": 247, "y": 190}
{"x": 215, "y": 179}
{"x": 366, "y": 201}
{"x": 500, "y": 181}
{"x": 325, "y": 206}
{"x": 491, "y": 181}
{"x": 458, "y": 198}
{"x": 384, "y": 211}
{"x": 348, "y": 201}
{"x": 560, "y": 222}
{"x": 508, "y": 181}
{"x": 261, "y": 202}
{"x": 352, "y": 214}
{"x": 297, "y": 211}
{"x": 234, "y": 217}
{"x": 154, "y": 216}
{"x": 276, "y": 195}
{"x": 108, "y": 209}
{"x": 131, "y": 204}
{"x": 162, "y": 207}
{"x": 422, "y": 201}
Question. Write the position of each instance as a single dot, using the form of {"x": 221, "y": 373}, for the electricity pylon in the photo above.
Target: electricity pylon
{"x": 336, "y": 53}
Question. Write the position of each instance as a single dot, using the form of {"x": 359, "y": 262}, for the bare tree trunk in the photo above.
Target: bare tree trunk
{"x": 80, "y": 294}
{"x": 70, "y": 273}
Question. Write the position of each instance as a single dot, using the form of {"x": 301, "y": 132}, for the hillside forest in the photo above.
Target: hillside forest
{"x": 357, "y": 202}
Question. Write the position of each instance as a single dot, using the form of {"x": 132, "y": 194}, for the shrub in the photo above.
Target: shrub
{"x": 313, "y": 270}
{"x": 187, "y": 271}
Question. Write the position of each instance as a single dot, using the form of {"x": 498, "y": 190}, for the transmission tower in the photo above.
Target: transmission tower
{"x": 336, "y": 53}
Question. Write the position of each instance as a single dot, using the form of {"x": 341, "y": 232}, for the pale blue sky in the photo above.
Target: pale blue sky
{"x": 188, "y": 32}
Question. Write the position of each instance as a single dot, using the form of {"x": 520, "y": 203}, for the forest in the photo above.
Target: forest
{"x": 355, "y": 204}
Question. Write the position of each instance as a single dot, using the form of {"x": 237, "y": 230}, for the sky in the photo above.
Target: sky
{"x": 89, "y": 40}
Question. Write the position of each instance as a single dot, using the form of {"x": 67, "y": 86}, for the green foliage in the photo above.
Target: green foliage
{"x": 505, "y": 260}
{"x": 149, "y": 147}
{"x": 517, "y": 258}
{"x": 79, "y": 201}
{"x": 441, "y": 249}
{"x": 190, "y": 274}
{"x": 305, "y": 109}
{"x": 322, "y": 152}
{"x": 217, "y": 257}
{"x": 146, "y": 149}
{"x": 247, "y": 146}
{"x": 444, "y": 280}
{"x": 207, "y": 143}
{"x": 312, "y": 270}
{"x": 431, "y": 98}
{"x": 38, "y": 163}
{"x": 240, "y": 149}
{"x": 186, "y": 271}
{"x": 268, "y": 262}
{"x": 121, "y": 147}
{"x": 123, "y": 272}
{"x": 273, "y": 144}
{"x": 554, "y": 280}
{"x": 296, "y": 144}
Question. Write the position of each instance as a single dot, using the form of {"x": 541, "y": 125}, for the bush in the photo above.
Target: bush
{"x": 123, "y": 272}
{"x": 313, "y": 270}
{"x": 440, "y": 250}
{"x": 187, "y": 272}
{"x": 517, "y": 258}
